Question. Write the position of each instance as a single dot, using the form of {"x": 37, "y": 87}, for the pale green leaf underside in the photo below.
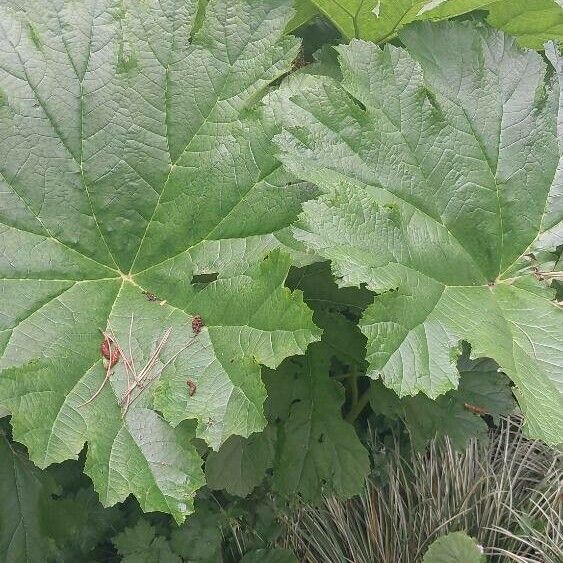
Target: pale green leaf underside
{"x": 435, "y": 192}
{"x": 133, "y": 158}
{"x": 456, "y": 546}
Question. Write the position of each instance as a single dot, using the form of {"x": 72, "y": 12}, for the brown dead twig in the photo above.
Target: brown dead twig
{"x": 137, "y": 381}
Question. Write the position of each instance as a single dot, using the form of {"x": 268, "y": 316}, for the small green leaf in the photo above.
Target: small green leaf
{"x": 199, "y": 539}
{"x": 77, "y": 522}
{"x": 140, "y": 544}
{"x": 241, "y": 463}
{"x": 457, "y": 546}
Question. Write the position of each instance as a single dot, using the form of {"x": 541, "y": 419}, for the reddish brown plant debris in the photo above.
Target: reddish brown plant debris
{"x": 150, "y": 296}
{"x": 197, "y": 324}
{"x": 191, "y": 387}
{"x": 299, "y": 62}
{"x": 110, "y": 350}
{"x": 474, "y": 409}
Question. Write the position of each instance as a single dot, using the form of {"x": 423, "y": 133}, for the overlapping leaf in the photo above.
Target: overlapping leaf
{"x": 380, "y": 20}
{"x": 438, "y": 163}
{"x": 241, "y": 463}
{"x": 532, "y": 23}
{"x": 457, "y": 414}
{"x": 134, "y": 158}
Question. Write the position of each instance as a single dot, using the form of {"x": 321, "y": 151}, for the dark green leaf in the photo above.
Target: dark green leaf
{"x": 25, "y": 491}
{"x": 278, "y": 555}
{"x": 241, "y": 463}
{"x": 140, "y": 544}
{"x": 317, "y": 452}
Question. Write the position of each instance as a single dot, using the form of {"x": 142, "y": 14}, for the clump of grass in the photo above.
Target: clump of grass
{"x": 539, "y": 531}
{"x": 506, "y": 493}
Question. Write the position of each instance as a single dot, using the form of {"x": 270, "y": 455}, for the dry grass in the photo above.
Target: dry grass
{"x": 506, "y": 493}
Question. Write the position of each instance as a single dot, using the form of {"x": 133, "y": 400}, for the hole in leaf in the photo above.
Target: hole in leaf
{"x": 204, "y": 278}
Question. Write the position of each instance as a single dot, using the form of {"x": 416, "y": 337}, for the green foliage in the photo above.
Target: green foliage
{"x": 235, "y": 250}
{"x": 241, "y": 463}
{"x": 139, "y": 544}
{"x": 269, "y": 556}
{"x": 431, "y": 211}
{"x": 418, "y": 497}
{"x": 317, "y": 451}
{"x": 456, "y": 546}
{"x": 380, "y": 20}
{"x": 25, "y": 491}
{"x": 532, "y": 23}
{"x": 457, "y": 414}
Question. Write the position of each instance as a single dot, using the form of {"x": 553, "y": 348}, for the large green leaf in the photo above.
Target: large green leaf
{"x": 135, "y": 157}
{"x": 438, "y": 163}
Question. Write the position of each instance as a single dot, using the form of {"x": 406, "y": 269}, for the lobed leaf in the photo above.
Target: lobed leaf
{"x": 438, "y": 163}
{"x": 135, "y": 158}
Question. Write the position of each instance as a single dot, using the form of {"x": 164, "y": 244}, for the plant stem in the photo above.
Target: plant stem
{"x": 357, "y": 407}
{"x": 343, "y": 376}
{"x": 354, "y": 386}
